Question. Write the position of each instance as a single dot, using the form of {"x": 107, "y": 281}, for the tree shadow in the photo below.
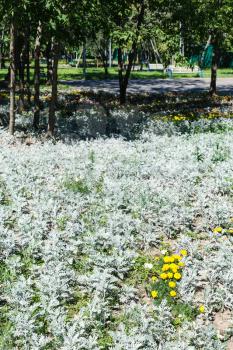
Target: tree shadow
{"x": 154, "y": 86}
{"x": 89, "y": 115}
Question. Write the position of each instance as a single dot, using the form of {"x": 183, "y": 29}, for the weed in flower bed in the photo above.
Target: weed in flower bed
{"x": 166, "y": 275}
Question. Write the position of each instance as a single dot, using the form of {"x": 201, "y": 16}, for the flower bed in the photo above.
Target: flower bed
{"x": 81, "y": 225}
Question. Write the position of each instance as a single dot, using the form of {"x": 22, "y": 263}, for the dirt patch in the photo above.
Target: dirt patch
{"x": 230, "y": 344}
{"x": 223, "y": 321}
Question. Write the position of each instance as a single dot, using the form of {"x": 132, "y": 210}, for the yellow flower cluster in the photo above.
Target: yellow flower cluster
{"x": 75, "y": 92}
{"x": 179, "y": 117}
{"x": 170, "y": 272}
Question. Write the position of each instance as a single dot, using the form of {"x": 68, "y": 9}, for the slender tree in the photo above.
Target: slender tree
{"x": 124, "y": 78}
{"x": 36, "y": 119}
{"x": 53, "y": 101}
{"x": 12, "y": 75}
{"x": 124, "y": 21}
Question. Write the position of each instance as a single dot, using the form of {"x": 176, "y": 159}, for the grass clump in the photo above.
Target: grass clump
{"x": 77, "y": 186}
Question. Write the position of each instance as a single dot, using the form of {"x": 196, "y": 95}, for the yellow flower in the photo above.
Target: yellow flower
{"x": 163, "y": 276}
{"x": 169, "y": 274}
{"x": 202, "y": 309}
{"x": 230, "y": 230}
{"x": 165, "y": 267}
{"x": 154, "y": 278}
{"x": 154, "y": 294}
{"x": 217, "y": 229}
{"x": 181, "y": 264}
{"x": 184, "y": 252}
{"x": 177, "y": 257}
{"x": 172, "y": 284}
{"x": 166, "y": 259}
{"x": 173, "y": 293}
{"x": 177, "y": 276}
{"x": 174, "y": 267}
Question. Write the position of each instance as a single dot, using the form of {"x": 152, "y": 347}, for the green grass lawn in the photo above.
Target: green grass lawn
{"x": 222, "y": 72}
{"x": 72, "y": 73}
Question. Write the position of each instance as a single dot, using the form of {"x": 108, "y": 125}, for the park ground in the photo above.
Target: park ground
{"x": 151, "y": 82}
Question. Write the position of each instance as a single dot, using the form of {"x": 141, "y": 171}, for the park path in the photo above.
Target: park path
{"x": 182, "y": 85}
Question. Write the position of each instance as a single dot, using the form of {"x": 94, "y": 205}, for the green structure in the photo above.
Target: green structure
{"x": 204, "y": 59}
{"x": 115, "y": 56}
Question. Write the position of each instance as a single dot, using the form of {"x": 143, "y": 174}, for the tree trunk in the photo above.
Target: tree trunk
{"x": 84, "y": 61}
{"x": 125, "y": 82}
{"x": 121, "y": 77}
{"x": 124, "y": 78}
{"x": 27, "y": 60}
{"x": 110, "y": 53}
{"x": 36, "y": 119}
{"x": 49, "y": 64}
{"x": 21, "y": 75}
{"x": 53, "y": 102}
{"x": 19, "y": 67}
{"x": 1, "y": 50}
{"x": 1, "y": 56}
{"x": 3, "y": 61}
{"x": 79, "y": 58}
{"x": 12, "y": 78}
{"x": 102, "y": 49}
{"x": 106, "y": 70}
{"x": 104, "y": 61}
{"x": 156, "y": 51}
{"x": 67, "y": 57}
{"x": 18, "y": 50}
{"x": 29, "y": 94}
{"x": 181, "y": 39}
{"x": 214, "y": 68}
